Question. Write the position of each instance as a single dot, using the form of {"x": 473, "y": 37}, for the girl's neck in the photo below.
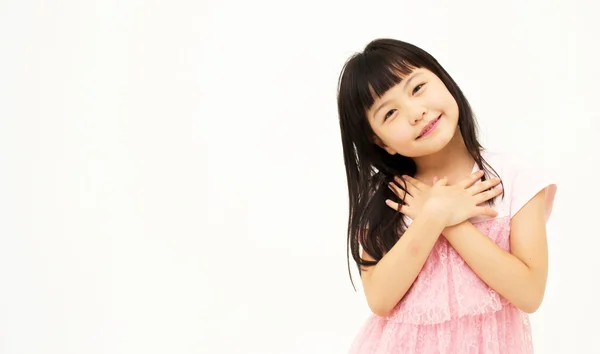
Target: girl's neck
{"x": 453, "y": 161}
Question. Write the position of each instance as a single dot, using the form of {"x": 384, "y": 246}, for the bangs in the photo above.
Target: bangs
{"x": 370, "y": 75}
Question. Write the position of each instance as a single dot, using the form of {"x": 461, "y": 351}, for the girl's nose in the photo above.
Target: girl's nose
{"x": 417, "y": 115}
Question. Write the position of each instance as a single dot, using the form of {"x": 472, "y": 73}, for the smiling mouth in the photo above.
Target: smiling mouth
{"x": 429, "y": 127}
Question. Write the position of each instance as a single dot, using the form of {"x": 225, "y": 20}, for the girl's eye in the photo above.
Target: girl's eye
{"x": 417, "y": 88}
{"x": 388, "y": 114}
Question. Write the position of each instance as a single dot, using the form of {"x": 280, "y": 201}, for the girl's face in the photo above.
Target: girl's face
{"x": 417, "y": 117}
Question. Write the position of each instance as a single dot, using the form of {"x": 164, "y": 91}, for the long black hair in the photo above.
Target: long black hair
{"x": 369, "y": 168}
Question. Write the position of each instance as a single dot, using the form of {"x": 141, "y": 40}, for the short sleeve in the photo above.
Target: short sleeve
{"x": 528, "y": 180}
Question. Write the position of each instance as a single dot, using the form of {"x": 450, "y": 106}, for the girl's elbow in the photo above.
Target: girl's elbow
{"x": 381, "y": 311}
{"x": 529, "y": 309}
{"x": 531, "y": 306}
{"x": 379, "y": 308}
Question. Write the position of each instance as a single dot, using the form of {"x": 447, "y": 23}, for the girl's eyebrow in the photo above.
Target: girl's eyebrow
{"x": 406, "y": 84}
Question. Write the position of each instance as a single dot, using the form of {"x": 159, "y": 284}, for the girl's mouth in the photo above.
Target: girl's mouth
{"x": 429, "y": 127}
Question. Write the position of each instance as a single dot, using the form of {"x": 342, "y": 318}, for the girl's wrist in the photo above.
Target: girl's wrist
{"x": 435, "y": 210}
{"x": 450, "y": 230}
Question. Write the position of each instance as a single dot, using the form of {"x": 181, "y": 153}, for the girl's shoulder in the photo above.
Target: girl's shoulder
{"x": 523, "y": 176}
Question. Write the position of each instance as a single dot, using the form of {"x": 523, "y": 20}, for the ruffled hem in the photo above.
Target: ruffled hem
{"x": 500, "y": 332}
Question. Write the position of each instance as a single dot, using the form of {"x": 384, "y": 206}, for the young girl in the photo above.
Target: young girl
{"x": 449, "y": 238}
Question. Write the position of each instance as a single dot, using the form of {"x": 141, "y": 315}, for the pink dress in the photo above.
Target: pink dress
{"x": 449, "y": 309}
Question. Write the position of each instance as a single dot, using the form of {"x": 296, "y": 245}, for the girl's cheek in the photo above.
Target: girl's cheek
{"x": 402, "y": 138}
{"x": 406, "y": 136}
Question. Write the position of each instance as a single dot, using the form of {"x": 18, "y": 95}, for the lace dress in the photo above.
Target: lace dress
{"x": 449, "y": 309}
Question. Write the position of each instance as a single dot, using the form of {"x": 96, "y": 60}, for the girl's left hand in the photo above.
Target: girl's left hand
{"x": 417, "y": 195}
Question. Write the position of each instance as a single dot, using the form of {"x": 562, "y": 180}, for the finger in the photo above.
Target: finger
{"x": 401, "y": 193}
{"x": 393, "y": 205}
{"x": 471, "y": 179}
{"x": 487, "y": 195}
{"x": 405, "y": 197}
{"x": 435, "y": 179}
{"x": 485, "y": 185}
{"x": 487, "y": 211}
{"x": 410, "y": 188}
{"x": 442, "y": 181}
{"x": 415, "y": 182}
{"x": 407, "y": 200}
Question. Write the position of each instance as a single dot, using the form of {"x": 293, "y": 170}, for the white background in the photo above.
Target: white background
{"x": 172, "y": 177}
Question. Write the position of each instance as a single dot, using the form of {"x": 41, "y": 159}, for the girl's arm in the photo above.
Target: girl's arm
{"x": 389, "y": 280}
{"x": 519, "y": 276}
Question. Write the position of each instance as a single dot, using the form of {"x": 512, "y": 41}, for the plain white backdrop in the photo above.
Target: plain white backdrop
{"x": 171, "y": 173}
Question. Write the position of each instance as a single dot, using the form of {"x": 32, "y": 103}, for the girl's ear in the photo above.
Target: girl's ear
{"x": 380, "y": 143}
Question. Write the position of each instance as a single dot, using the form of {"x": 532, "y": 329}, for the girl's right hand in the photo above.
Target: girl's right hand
{"x": 460, "y": 202}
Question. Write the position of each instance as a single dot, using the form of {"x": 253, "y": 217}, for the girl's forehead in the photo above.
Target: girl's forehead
{"x": 403, "y": 82}
{"x": 398, "y": 76}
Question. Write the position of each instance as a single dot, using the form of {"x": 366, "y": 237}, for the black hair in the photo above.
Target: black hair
{"x": 369, "y": 168}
